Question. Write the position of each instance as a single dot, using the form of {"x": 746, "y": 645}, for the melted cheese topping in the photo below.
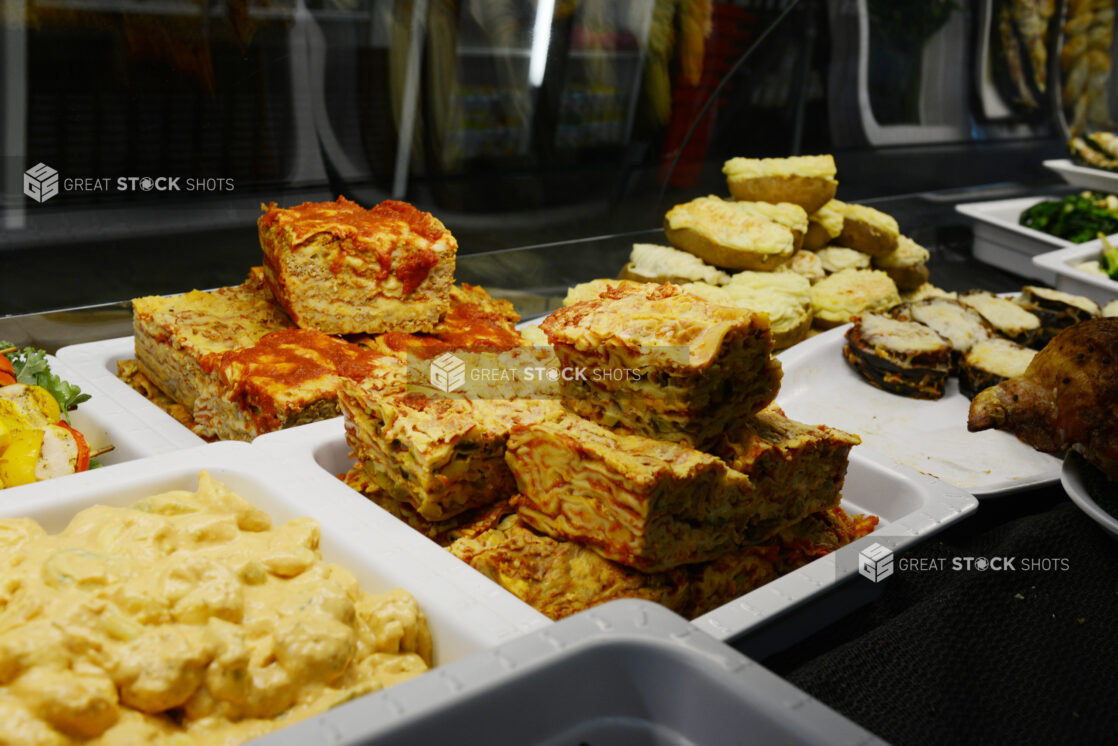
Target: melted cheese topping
{"x": 870, "y": 216}
{"x": 785, "y": 311}
{"x": 1002, "y": 313}
{"x": 806, "y": 264}
{"x": 784, "y": 282}
{"x": 829, "y": 217}
{"x": 708, "y": 293}
{"x": 731, "y": 225}
{"x": 926, "y": 290}
{"x": 594, "y": 288}
{"x": 838, "y": 297}
{"x": 1000, "y": 356}
{"x": 1110, "y": 310}
{"x": 652, "y": 326}
{"x": 838, "y": 258}
{"x": 810, "y": 166}
{"x": 785, "y": 213}
{"x": 907, "y": 254}
{"x": 1077, "y": 301}
{"x": 209, "y": 323}
{"x": 651, "y": 260}
{"x": 901, "y": 336}
{"x": 957, "y": 324}
{"x": 186, "y": 619}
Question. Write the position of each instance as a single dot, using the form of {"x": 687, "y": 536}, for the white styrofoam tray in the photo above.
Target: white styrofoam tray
{"x": 463, "y": 613}
{"x": 911, "y": 506}
{"x": 929, "y": 436}
{"x": 625, "y": 673}
{"x": 1084, "y": 176}
{"x": 96, "y": 362}
{"x": 1001, "y": 240}
{"x": 1070, "y": 279}
{"x": 104, "y": 421}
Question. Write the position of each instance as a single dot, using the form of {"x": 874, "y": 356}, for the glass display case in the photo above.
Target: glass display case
{"x": 144, "y": 138}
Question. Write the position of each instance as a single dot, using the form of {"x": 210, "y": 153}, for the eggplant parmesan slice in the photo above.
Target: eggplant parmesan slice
{"x": 1056, "y": 310}
{"x": 961, "y": 326}
{"x": 899, "y": 356}
{"x": 1006, "y": 317}
{"x": 990, "y": 362}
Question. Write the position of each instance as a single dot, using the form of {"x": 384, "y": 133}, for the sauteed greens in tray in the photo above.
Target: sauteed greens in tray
{"x": 1076, "y": 217}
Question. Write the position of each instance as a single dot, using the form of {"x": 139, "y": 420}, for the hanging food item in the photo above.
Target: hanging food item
{"x": 1014, "y": 63}
{"x": 1085, "y": 64}
{"x": 1031, "y": 17}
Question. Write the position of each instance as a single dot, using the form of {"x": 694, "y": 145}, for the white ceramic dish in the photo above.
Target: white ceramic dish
{"x": 626, "y": 672}
{"x": 1084, "y": 176}
{"x": 1001, "y": 240}
{"x": 911, "y": 507}
{"x": 96, "y": 362}
{"x": 1070, "y": 279}
{"x": 464, "y": 615}
{"x": 930, "y": 437}
{"x": 1073, "y": 477}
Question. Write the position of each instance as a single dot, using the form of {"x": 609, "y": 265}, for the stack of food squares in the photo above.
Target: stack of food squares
{"x": 658, "y": 468}
{"x": 343, "y": 292}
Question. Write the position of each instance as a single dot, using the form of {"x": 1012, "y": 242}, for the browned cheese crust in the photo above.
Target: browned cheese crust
{"x": 699, "y": 366}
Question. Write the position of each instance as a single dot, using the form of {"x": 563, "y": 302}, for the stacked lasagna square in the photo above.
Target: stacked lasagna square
{"x": 269, "y": 354}
{"x": 660, "y": 469}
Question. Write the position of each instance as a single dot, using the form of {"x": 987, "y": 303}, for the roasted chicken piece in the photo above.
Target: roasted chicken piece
{"x": 1067, "y": 398}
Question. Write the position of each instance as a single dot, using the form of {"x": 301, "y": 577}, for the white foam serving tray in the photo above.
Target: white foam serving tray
{"x": 96, "y": 363}
{"x": 464, "y": 614}
{"x": 1069, "y": 279}
{"x": 625, "y": 673}
{"x": 911, "y": 507}
{"x": 1001, "y": 240}
{"x": 929, "y": 436}
{"x": 103, "y": 421}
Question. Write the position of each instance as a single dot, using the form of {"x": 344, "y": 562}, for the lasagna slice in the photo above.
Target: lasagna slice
{"x": 657, "y": 361}
{"x": 653, "y": 505}
{"x": 805, "y": 463}
{"x": 560, "y": 578}
{"x": 468, "y": 523}
{"x": 342, "y": 269}
{"x": 288, "y": 377}
{"x": 179, "y": 339}
{"x": 442, "y": 456}
{"x": 901, "y": 357}
{"x": 474, "y": 319}
{"x": 235, "y": 367}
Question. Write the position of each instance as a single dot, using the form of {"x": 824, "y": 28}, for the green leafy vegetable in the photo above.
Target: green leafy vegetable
{"x": 31, "y": 367}
{"x": 1109, "y": 258}
{"x": 1077, "y": 217}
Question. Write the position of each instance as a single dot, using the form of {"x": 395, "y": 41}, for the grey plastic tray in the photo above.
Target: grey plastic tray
{"x": 627, "y": 673}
